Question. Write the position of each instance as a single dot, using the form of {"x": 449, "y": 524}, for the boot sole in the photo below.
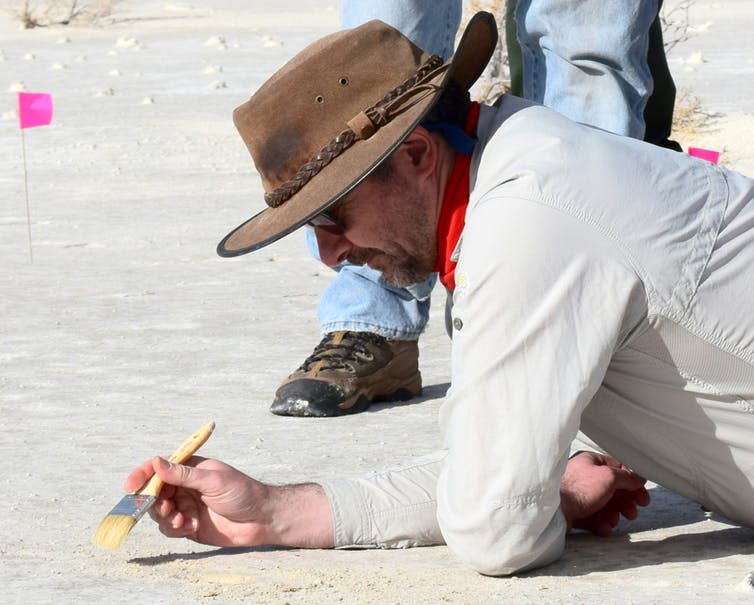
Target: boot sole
{"x": 357, "y": 404}
{"x": 364, "y": 399}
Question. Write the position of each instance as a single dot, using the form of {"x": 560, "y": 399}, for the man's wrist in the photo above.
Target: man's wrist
{"x": 299, "y": 516}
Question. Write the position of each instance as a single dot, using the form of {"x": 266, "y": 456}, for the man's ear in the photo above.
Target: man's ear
{"x": 422, "y": 150}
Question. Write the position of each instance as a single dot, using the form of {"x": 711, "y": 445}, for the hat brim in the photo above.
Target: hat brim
{"x": 345, "y": 172}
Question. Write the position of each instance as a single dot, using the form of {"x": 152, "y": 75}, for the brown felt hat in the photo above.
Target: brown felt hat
{"x": 325, "y": 120}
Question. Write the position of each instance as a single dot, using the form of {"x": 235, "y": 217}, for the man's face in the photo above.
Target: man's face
{"x": 389, "y": 225}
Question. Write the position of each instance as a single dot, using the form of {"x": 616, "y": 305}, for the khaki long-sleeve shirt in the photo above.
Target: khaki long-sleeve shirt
{"x": 602, "y": 284}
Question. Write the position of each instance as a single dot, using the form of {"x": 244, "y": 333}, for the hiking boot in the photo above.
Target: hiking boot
{"x": 347, "y": 372}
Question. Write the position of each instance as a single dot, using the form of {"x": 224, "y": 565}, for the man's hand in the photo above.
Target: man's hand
{"x": 596, "y": 490}
{"x": 211, "y": 502}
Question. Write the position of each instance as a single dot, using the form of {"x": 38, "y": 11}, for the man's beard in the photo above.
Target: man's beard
{"x": 409, "y": 272}
{"x": 400, "y": 266}
{"x": 399, "y": 271}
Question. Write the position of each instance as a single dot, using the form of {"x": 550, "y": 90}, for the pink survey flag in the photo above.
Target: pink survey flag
{"x": 705, "y": 154}
{"x": 34, "y": 109}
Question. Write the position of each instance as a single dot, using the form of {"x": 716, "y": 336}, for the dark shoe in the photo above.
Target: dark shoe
{"x": 347, "y": 372}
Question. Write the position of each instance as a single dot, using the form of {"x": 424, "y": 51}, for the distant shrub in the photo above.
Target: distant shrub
{"x": 43, "y": 13}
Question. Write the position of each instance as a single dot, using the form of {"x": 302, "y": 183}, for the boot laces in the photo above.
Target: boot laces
{"x": 341, "y": 350}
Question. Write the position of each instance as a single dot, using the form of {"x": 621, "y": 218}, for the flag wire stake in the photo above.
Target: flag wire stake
{"x": 26, "y": 191}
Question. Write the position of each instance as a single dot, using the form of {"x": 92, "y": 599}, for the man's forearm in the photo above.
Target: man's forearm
{"x": 300, "y": 516}
{"x": 394, "y": 508}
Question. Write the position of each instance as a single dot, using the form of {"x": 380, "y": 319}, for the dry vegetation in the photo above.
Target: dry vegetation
{"x": 689, "y": 116}
{"x": 44, "y": 13}
{"x": 674, "y": 18}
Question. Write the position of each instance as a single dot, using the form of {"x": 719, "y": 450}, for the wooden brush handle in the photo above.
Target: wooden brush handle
{"x": 183, "y": 453}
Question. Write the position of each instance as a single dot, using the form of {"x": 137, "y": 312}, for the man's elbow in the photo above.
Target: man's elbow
{"x": 503, "y": 551}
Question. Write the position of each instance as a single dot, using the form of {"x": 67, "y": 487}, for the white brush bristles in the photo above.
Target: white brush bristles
{"x": 113, "y": 530}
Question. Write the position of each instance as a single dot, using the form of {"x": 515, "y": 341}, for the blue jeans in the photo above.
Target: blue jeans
{"x": 357, "y": 299}
{"x": 430, "y": 24}
{"x": 586, "y": 59}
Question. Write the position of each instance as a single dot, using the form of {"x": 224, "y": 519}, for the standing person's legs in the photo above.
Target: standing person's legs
{"x": 357, "y": 299}
{"x": 369, "y": 350}
{"x": 595, "y": 61}
{"x": 430, "y": 24}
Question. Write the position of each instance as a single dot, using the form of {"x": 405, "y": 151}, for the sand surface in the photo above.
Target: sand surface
{"x": 126, "y": 332}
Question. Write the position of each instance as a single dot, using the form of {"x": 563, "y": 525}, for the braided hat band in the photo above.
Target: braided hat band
{"x": 361, "y": 127}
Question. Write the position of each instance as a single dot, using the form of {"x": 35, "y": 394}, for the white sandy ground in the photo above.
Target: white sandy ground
{"x": 127, "y": 332}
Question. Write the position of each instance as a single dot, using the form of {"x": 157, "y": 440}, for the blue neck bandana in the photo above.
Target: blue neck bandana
{"x": 454, "y": 135}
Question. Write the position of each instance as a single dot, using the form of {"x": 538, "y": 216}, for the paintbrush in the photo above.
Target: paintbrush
{"x": 120, "y": 521}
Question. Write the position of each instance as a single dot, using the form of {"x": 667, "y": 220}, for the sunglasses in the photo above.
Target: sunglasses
{"x": 327, "y": 222}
